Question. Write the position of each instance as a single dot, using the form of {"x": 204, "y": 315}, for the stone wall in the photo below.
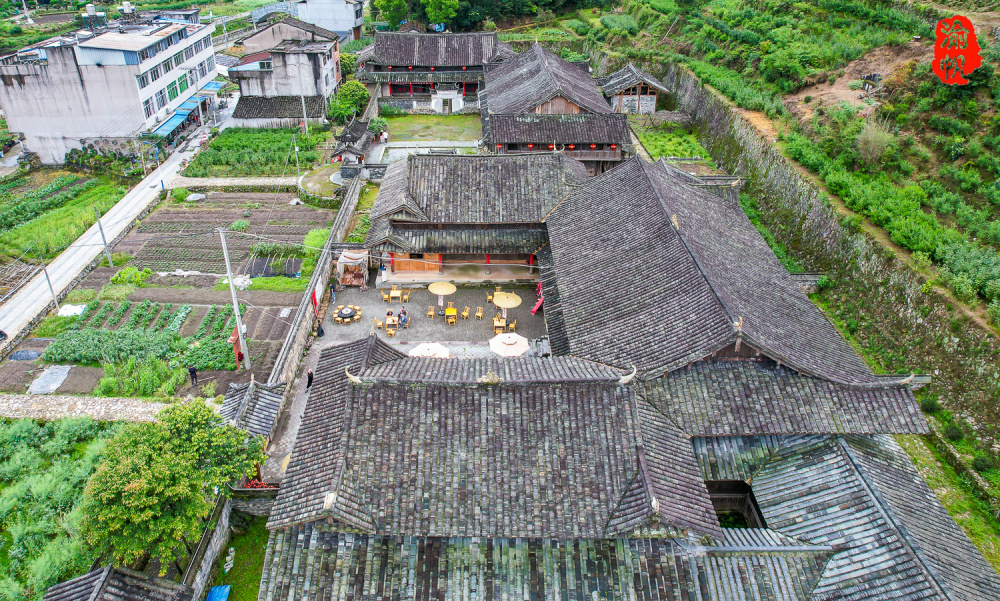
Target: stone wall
{"x": 255, "y": 501}
{"x": 211, "y": 545}
{"x": 47, "y": 407}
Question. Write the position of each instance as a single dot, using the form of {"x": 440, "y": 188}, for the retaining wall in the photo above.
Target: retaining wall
{"x": 203, "y": 559}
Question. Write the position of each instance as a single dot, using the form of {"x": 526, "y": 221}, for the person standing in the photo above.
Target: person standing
{"x": 309, "y": 379}
{"x": 194, "y": 375}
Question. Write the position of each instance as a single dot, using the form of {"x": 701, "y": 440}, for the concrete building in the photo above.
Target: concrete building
{"x": 98, "y": 88}
{"x": 345, "y": 17}
{"x": 289, "y": 63}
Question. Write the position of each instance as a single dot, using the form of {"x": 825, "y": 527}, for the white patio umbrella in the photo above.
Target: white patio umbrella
{"x": 509, "y": 345}
{"x": 430, "y": 349}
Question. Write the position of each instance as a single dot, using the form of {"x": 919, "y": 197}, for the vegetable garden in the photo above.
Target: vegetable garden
{"x": 240, "y": 151}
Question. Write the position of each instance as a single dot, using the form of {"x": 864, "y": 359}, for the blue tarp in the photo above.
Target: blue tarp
{"x": 218, "y": 593}
{"x": 212, "y": 86}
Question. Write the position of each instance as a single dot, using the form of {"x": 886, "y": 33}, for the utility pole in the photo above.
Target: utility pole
{"x": 103, "y": 239}
{"x": 225, "y": 32}
{"x": 302, "y": 95}
{"x": 236, "y": 304}
{"x": 51, "y": 289}
{"x": 298, "y": 173}
{"x": 27, "y": 15}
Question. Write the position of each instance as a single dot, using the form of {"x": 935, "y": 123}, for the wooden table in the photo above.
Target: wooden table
{"x": 499, "y": 325}
{"x": 451, "y": 312}
{"x": 392, "y": 321}
{"x": 396, "y": 295}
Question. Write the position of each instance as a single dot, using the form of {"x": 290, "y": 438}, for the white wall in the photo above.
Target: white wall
{"x": 335, "y": 15}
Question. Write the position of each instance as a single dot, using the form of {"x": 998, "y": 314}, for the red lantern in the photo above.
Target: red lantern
{"x": 551, "y": 146}
{"x": 390, "y": 67}
{"x": 593, "y": 146}
{"x": 432, "y": 68}
{"x": 530, "y": 146}
{"x": 572, "y": 146}
{"x": 614, "y": 146}
{"x": 499, "y": 146}
{"x": 411, "y": 67}
{"x": 463, "y": 68}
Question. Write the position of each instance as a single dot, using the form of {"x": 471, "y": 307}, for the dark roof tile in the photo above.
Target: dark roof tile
{"x": 435, "y": 49}
{"x": 535, "y": 76}
{"x": 278, "y": 107}
{"x": 599, "y": 128}
{"x": 626, "y": 77}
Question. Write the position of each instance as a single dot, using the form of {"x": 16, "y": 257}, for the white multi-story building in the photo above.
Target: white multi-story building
{"x": 96, "y": 87}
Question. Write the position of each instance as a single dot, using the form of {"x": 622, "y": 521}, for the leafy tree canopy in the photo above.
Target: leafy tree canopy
{"x": 154, "y": 487}
{"x": 393, "y": 11}
{"x": 440, "y": 11}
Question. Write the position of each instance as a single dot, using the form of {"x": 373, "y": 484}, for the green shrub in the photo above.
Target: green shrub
{"x": 930, "y": 405}
{"x": 117, "y": 258}
{"x": 953, "y": 433}
{"x": 982, "y": 463}
{"x": 875, "y": 139}
{"x": 240, "y": 225}
{"x": 140, "y": 377}
{"x": 116, "y": 292}
{"x": 68, "y": 432}
{"x": 580, "y": 27}
{"x": 855, "y": 84}
{"x": 210, "y": 354}
{"x": 180, "y": 194}
{"x": 571, "y": 56}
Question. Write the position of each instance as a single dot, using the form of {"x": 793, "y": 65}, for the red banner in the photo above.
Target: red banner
{"x": 956, "y": 51}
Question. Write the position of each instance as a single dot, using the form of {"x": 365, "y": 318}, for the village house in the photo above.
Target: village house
{"x": 701, "y": 431}
{"x": 345, "y": 17}
{"x": 104, "y": 86}
{"x": 437, "y": 214}
{"x": 538, "y": 101}
{"x": 631, "y": 90}
{"x": 118, "y": 584}
{"x": 430, "y": 72}
{"x": 288, "y": 75}
{"x": 353, "y": 142}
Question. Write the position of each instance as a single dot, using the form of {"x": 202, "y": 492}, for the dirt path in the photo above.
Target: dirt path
{"x": 179, "y": 181}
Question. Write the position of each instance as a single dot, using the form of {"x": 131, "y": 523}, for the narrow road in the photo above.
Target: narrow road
{"x": 34, "y": 297}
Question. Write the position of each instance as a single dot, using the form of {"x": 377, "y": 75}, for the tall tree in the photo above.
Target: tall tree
{"x": 440, "y": 11}
{"x": 393, "y": 11}
{"x": 154, "y": 488}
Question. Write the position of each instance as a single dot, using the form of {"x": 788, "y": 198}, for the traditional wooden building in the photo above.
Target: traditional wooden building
{"x": 435, "y": 212}
{"x": 598, "y": 140}
{"x": 430, "y": 72}
{"x": 538, "y": 102}
{"x": 118, "y": 584}
{"x": 631, "y": 90}
{"x": 354, "y": 142}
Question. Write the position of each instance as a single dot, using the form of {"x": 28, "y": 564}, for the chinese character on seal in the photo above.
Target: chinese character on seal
{"x": 956, "y": 51}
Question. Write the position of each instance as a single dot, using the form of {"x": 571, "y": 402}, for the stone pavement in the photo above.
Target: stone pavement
{"x": 105, "y": 409}
{"x": 179, "y": 181}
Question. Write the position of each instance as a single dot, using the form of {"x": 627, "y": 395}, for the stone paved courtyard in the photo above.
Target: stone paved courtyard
{"x": 423, "y": 329}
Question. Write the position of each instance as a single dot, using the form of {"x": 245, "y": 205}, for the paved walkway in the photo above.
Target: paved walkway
{"x": 179, "y": 181}
{"x": 106, "y": 409}
{"x": 34, "y": 297}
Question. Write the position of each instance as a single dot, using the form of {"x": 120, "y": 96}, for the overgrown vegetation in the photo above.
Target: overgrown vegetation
{"x": 43, "y": 470}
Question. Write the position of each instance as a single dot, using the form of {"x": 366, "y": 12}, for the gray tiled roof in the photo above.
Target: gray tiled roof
{"x": 626, "y": 77}
{"x": 535, "y": 76}
{"x": 254, "y": 405}
{"x": 480, "y": 472}
{"x": 317, "y": 446}
{"x": 118, "y": 584}
{"x": 436, "y": 49}
{"x": 739, "y": 398}
{"x": 863, "y": 497}
{"x": 320, "y": 557}
{"x": 685, "y": 274}
{"x": 278, "y": 107}
{"x": 481, "y": 190}
{"x": 591, "y": 128}
{"x": 355, "y": 138}
{"x": 513, "y": 370}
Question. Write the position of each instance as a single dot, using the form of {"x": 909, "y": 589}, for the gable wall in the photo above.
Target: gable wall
{"x": 557, "y": 106}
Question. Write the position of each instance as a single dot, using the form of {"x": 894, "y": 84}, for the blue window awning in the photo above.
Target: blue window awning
{"x": 212, "y": 86}
{"x": 168, "y": 126}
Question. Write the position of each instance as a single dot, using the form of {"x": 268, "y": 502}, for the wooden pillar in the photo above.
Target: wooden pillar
{"x": 441, "y": 264}
{"x": 411, "y": 88}
{"x": 392, "y": 263}
{"x": 487, "y": 263}
{"x": 531, "y": 264}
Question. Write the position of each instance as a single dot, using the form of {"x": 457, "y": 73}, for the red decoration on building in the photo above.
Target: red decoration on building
{"x": 956, "y": 51}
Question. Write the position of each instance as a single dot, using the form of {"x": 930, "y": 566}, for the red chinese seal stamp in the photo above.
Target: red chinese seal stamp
{"x": 956, "y": 51}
